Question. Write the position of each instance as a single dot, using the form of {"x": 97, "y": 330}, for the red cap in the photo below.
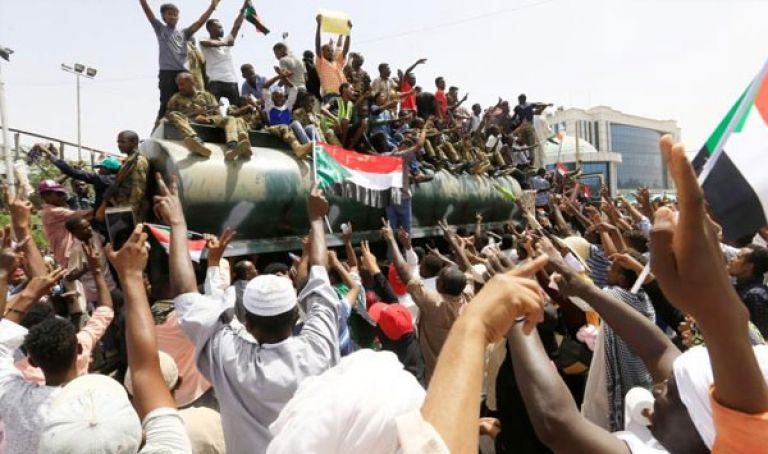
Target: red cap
{"x": 375, "y": 311}
{"x": 395, "y": 321}
{"x": 394, "y": 280}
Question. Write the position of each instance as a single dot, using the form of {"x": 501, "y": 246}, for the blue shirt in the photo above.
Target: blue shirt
{"x": 253, "y": 90}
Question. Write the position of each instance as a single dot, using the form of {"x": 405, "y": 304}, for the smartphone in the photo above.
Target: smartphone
{"x": 120, "y": 224}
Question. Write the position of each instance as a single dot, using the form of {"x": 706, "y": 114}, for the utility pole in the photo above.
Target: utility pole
{"x": 79, "y": 70}
{"x": 5, "y": 55}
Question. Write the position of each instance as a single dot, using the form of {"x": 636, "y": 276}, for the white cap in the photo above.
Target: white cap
{"x": 168, "y": 368}
{"x": 269, "y": 295}
{"x": 91, "y": 414}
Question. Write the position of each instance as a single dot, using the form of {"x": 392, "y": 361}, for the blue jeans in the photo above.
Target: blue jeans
{"x": 303, "y": 134}
{"x": 399, "y": 215}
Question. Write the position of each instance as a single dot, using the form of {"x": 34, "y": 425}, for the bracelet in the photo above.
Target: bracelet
{"x": 521, "y": 318}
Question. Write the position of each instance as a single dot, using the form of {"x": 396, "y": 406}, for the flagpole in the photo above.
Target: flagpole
{"x": 314, "y": 172}
{"x": 736, "y": 119}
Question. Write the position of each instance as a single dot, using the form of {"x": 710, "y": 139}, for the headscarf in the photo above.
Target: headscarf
{"x": 349, "y": 408}
{"x": 693, "y": 374}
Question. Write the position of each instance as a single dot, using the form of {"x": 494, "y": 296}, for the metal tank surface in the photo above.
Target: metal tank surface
{"x": 264, "y": 198}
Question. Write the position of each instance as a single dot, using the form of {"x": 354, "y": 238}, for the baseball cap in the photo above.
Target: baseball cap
{"x": 268, "y": 295}
{"x": 398, "y": 286}
{"x": 394, "y": 319}
{"x": 91, "y": 413}
{"x": 109, "y": 163}
{"x": 50, "y": 186}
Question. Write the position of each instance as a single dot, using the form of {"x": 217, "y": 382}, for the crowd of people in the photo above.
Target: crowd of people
{"x": 328, "y": 96}
{"x": 611, "y": 327}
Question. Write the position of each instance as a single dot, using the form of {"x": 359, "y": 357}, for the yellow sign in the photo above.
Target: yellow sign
{"x": 335, "y": 22}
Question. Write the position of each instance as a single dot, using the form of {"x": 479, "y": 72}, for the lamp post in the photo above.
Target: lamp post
{"x": 5, "y": 55}
{"x": 79, "y": 70}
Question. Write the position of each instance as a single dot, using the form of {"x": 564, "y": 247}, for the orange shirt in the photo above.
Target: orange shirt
{"x": 738, "y": 432}
{"x": 172, "y": 340}
{"x": 331, "y": 74}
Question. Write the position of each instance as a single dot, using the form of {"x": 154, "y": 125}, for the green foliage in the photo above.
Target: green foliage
{"x": 38, "y": 235}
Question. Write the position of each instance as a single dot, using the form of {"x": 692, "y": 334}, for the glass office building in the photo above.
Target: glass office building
{"x": 641, "y": 162}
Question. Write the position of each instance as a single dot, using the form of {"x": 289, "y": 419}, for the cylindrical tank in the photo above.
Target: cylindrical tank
{"x": 264, "y": 198}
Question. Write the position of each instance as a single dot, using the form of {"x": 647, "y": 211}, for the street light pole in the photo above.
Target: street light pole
{"x": 79, "y": 70}
{"x": 4, "y": 53}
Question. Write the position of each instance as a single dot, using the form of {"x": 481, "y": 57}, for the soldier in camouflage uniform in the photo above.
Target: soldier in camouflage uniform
{"x": 248, "y": 116}
{"x": 201, "y": 107}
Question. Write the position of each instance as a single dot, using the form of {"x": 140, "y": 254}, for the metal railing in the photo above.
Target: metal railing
{"x": 61, "y": 144}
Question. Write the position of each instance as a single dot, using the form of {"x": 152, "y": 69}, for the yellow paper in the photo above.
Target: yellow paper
{"x": 335, "y": 22}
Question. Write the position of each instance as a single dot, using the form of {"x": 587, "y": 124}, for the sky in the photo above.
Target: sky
{"x": 685, "y": 60}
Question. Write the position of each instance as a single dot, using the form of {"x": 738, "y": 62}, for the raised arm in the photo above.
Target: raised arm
{"x": 149, "y": 389}
{"x": 318, "y": 38}
{"x": 202, "y": 20}
{"x": 147, "y": 11}
{"x": 550, "y": 405}
{"x": 418, "y": 62}
{"x": 93, "y": 256}
{"x": 349, "y": 248}
{"x": 453, "y": 397}
{"x": 21, "y": 210}
{"x": 346, "y": 278}
{"x": 317, "y": 208}
{"x": 642, "y": 335}
{"x": 10, "y": 257}
{"x": 401, "y": 266}
{"x": 168, "y": 209}
{"x": 347, "y": 42}
{"x": 688, "y": 264}
{"x": 239, "y": 21}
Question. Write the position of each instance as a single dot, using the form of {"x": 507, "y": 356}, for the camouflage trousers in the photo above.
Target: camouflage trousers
{"x": 230, "y": 124}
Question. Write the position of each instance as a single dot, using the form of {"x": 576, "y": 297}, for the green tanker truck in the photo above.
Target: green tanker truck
{"x": 264, "y": 198}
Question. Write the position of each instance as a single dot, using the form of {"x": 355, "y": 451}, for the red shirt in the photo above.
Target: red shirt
{"x": 442, "y": 104}
{"x": 409, "y": 102}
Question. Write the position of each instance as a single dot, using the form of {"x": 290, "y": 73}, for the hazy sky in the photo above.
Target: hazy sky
{"x": 685, "y": 60}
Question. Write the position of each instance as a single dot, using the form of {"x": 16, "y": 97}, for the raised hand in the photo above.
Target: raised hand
{"x": 346, "y": 236}
{"x": 132, "y": 258}
{"x": 687, "y": 260}
{"x": 10, "y": 257}
{"x": 317, "y": 207}
{"x": 368, "y": 259}
{"x": 216, "y": 246}
{"x": 92, "y": 256}
{"x": 404, "y": 238}
{"x": 386, "y": 230}
{"x": 20, "y": 210}
{"x": 507, "y": 296}
{"x": 167, "y": 204}
{"x": 40, "y": 286}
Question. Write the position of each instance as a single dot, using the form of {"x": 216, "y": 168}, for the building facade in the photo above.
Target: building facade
{"x": 634, "y": 138}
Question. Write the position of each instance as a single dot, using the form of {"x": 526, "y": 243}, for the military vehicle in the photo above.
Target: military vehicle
{"x": 264, "y": 198}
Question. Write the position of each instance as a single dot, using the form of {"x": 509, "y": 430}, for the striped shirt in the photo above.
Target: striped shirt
{"x": 598, "y": 265}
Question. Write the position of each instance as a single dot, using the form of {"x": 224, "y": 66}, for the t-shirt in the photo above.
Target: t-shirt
{"x": 524, "y": 112}
{"x": 253, "y": 90}
{"x": 279, "y": 115}
{"x": 218, "y": 63}
{"x": 165, "y": 432}
{"x": 297, "y": 69}
{"x": 331, "y": 74}
{"x": 442, "y": 104}
{"x": 736, "y": 431}
{"x": 408, "y": 102}
{"x": 172, "y": 44}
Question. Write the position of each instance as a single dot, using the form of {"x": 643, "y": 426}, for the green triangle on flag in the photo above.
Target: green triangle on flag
{"x": 328, "y": 170}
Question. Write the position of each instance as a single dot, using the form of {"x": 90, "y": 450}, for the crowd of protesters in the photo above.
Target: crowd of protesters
{"x": 328, "y": 96}
{"x": 551, "y": 334}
